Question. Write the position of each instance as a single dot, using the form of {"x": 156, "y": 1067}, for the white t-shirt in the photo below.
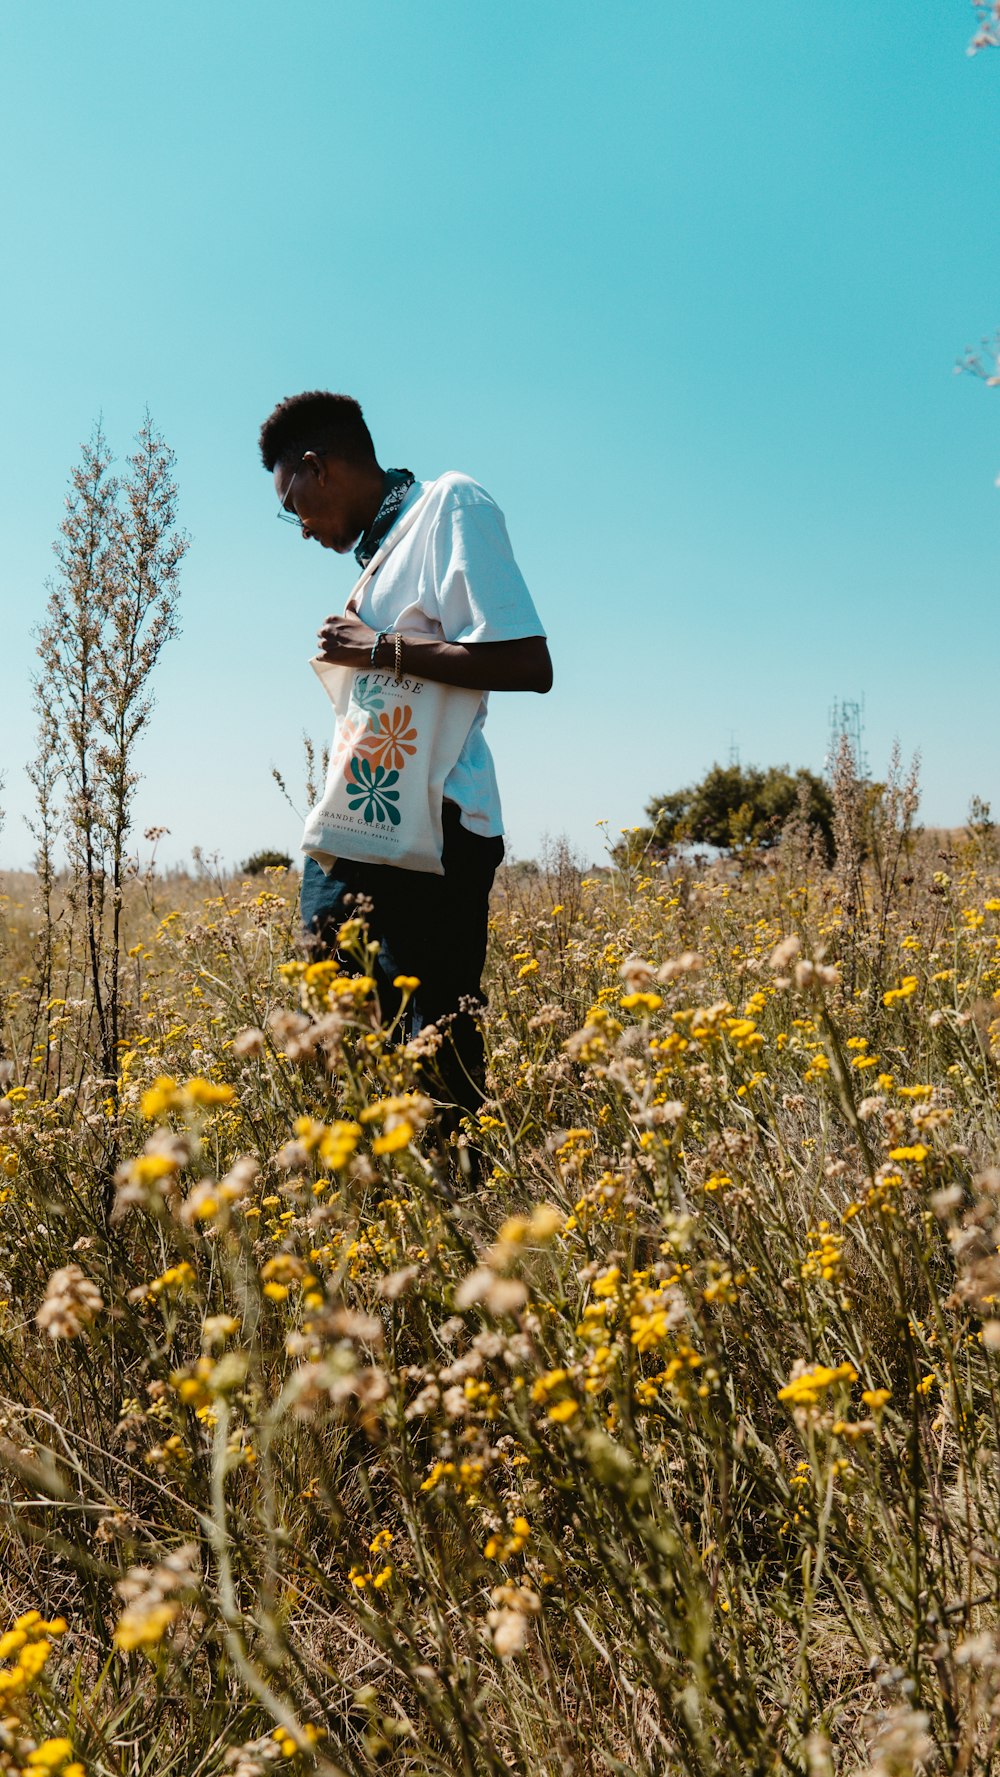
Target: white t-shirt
{"x": 453, "y": 576}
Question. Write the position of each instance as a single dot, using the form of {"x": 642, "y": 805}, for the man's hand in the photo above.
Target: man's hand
{"x": 346, "y": 641}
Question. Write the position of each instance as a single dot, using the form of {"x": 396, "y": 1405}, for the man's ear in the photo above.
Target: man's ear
{"x": 315, "y": 464}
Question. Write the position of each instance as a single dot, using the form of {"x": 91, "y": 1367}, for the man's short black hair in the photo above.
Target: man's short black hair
{"x": 331, "y": 425}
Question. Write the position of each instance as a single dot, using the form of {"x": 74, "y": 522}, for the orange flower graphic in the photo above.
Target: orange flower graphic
{"x": 390, "y": 738}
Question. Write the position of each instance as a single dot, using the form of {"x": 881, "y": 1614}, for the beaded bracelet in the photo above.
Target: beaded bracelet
{"x": 376, "y": 645}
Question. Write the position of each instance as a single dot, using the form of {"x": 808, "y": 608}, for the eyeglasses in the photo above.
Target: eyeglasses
{"x": 290, "y": 517}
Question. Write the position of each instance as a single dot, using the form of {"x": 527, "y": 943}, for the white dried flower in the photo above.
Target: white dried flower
{"x": 294, "y": 1032}
{"x": 501, "y": 1295}
{"x": 811, "y": 977}
{"x": 397, "y": 1283}
{"x": 124, "y": 1525}
{"x": 687, "y": 964}
{"x": 152, "y": 1597}
{"x": 71, "y": 1303}
{"x": 548, "y": 1015}
{"x": 505, "y": 1295}
{"x": 468, "y": 1365}
{"x": 248, "y": 1042}
{"x": 900, "y": 1742}
{"x": 820, "y": 1755}
{"x": 636, "y": 973}
{"x": 350, "y": 1323}
{"x": 217, "y": 1327}
{"x": 254, "y": 1759}
{"x": 782, "y": 953}
{"x": 423, "y": 1402}
{"x": 658, "y": 1114}
{"x": 510, "y": 1632}
{"x": 517, "y": 1352}
{"x": 241, "y": 1175}
{"x": 977, "y": 1650}
{"x": 180, "y": 1571}
{"x": 292, "y": 1155}
{"x": 473, "y": 1288}
{"x": 522, "y": 1598}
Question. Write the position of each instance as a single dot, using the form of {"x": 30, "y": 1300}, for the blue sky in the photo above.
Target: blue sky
{"x": 683, "y": 287}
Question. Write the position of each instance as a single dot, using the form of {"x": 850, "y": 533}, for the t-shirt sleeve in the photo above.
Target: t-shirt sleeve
{"x": 480, "y": 590}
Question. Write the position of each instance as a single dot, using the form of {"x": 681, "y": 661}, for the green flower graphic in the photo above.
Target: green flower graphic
{"x": 368, "y": 790}
{"x": 367, "y": 696}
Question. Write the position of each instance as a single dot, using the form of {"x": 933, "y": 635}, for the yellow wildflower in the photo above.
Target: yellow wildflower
{"x": 145, "y": 1624}
{"x": 205, "y": 1094}
{"x": 394, "y": 1139}
{"x": 563, "y": 1411}
{"x": 546, "y": 1221}
{"x": 876, "y": 1399}
{"x": 176, "y": 1277}
{"x": 51, "y": 1755}
{"x": 907, "y": 987}
{"x": 607, "y": 1283}
{"x": 813, "y": 1382}
{"x": 337, "y": 1143}
{"x": 161, "y": 1097}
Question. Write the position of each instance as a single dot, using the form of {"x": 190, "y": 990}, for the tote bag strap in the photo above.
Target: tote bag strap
{"x": 396, "y": 535}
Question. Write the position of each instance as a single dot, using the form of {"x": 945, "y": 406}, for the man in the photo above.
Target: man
{"x": 453, "y": 593}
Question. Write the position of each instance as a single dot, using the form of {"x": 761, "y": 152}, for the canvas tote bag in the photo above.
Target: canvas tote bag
{"x": 393, "y": 747}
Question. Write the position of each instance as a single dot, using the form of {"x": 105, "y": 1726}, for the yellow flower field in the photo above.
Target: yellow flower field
{"x": 657, "y": 1433}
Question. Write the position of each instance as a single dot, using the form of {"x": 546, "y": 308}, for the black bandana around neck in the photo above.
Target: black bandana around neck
{"x": 397, "y": 484}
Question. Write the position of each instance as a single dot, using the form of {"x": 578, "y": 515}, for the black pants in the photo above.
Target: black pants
{"x": 433, "y": 927}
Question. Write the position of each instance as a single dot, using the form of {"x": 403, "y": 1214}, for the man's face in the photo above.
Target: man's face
{"x": 322, "y": 494}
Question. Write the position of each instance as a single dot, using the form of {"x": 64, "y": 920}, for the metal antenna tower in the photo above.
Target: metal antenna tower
{"x": 734, "y": 748}
{"x": 847, "y": 722}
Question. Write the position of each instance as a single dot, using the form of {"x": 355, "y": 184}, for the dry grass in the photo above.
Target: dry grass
{"x": 673, "y": 1446}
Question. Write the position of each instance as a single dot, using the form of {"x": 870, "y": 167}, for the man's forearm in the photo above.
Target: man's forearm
{"x": 480, "y": 666}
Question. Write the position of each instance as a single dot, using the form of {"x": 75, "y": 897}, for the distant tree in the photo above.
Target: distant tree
{"x": 266, "y": 860}
{"x": 742, "y": 805}
{"x": 668, "y": 814}
{"x": 987, "y": 26}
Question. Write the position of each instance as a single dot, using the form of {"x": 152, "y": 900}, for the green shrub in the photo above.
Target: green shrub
{"x": 739, "y": 805}
{"x": 266, "y": 860}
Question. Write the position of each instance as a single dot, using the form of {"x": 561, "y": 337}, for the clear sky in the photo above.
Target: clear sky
{"x": 683, "y": 286}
